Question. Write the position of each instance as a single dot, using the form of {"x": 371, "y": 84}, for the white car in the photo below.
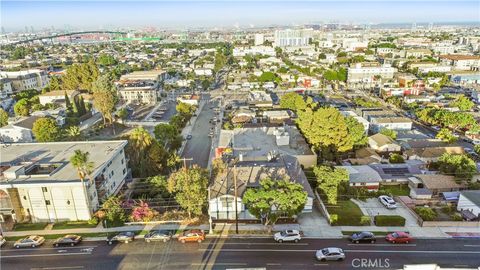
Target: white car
{"x": 288, "y": 235}
{"x": 388, "y": 202}
{"x": 330, "y": 254}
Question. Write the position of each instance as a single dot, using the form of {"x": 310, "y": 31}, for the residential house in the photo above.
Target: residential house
{"x": 58, "y": 96}
{"x": 469, "y": 201}
{"x": 394, "y": 123}
{"x": 435, "y": 183}
{"x": 248, "y": 175}
{"x": 363, "y": 176}
{"x": 383, "y": 144}
{"x": 19, "y": 132}
{"x": 276, "y": 116}
{"x": 43, "y": 186}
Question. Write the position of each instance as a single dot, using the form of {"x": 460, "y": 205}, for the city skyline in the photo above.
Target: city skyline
{"x": 227, "y": 14}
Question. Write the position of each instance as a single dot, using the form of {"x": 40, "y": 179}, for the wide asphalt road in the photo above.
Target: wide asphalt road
{"x": 198, "y": 147}
{"x": 220, "y": 253}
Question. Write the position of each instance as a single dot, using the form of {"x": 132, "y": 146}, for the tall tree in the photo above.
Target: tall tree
{"x": 329, "y": 179}
{"x": 168, "y": 136}
{"x": 190, "y": 188}
{"x": 326, "y": 130}
{"x": 356, "y": 131}
{"x": 461, "y": 166}
{"x": 81, "y": 162}
{"x": 463, "y": 103}
{"x": 114, "y": 212}
{"x": 54, "y": 83}
{"x": 274, "y": 199}
{"x": 68, "y": 104}
{"x": 105, "y": 97}
{"x": 292, "y": 101}
{"x": 446, "y": 135}
{"x": 46, "y": 130}
{"x": 3, "y": 117}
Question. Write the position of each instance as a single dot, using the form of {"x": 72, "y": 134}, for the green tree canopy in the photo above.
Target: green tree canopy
{"x": 389, "y": 133}
{"x": 190, "y": 188}
{"x": 275, "y": 198}
{"x": 292, "y": 101}
{"x": 114, "y": 212}
{"x": 105, "y": 97}
{"x": 168, "y": 136}
{"x": 329, "y": 179}
{"x": 356, "y": 131}
{"x": 22, "y": 107}
{"x": 3, "y": 118}
{"x": 446, "y": 135}
{"x": 461, "y": 166}
{"x": 463, "y": 103}
{"x": 46, "y": 130}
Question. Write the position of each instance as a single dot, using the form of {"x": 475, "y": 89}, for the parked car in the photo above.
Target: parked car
{"x": 2, "y": 241}
{"x": 68, "y": 240}
{"x": 158, "y": 235}
{"x": 192, "y": 236}
{"x": 363, "y": 237}
{"x": 189, "y": 137}
{"x": 399, "y": 237}
{"x": 388, "y": 202}
{"x": 288, "y": 235}
{"x": 330, "y": 254}
{"x": 29, "y": 241}
{"x": 124, "y": 237}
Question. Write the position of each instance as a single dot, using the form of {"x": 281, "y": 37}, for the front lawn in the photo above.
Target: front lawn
{"x": 395, "y": 190}
{"x": 29, "y": 226}
{"x": 73, "y": 225}
{"x": 349, "y": 214}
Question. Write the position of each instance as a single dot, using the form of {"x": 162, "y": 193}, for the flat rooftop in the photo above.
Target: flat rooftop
{"x": 53, "y": 159}
{"x": 259, "y": 141}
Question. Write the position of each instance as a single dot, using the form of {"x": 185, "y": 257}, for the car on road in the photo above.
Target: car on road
{"x": 399, "y": 237}
{"x": 124, "y": 237}
{"x": 68, "y": 240}
{"x": 2, "y": 241}
{"x": 189, "y": 136}
{"x": 29, "y": 241}
{"x": 287, "y": 235}
{"x": 388, "y": 202}
{"x": 366, "y": 237}
{"x": 330, "y": 254}
{"x": 192, "y": 236}
{"x": 158, "y": 235}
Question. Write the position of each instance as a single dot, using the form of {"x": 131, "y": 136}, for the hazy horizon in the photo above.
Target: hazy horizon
{"x": 226, "y": 14}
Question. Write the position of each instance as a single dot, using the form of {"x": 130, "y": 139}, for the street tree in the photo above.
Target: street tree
{"x": 446, "y": 136}
{"x": 46, "y": 130}
{"x": 463, "y": 103}
{"x": 274, "y": 199}
{"x": 3, "y": 117}
{"x": 105, "y": 97}
{"x": 114, "y": 213}
{"x": 190, "y": 188}
{"x": 168, "y": 136}
{"x": 329, "y": 179}
{"x": 292, "y": 101}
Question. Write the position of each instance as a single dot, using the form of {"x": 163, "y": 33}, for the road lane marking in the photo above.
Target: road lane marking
{"x": 259, "y": 244}
{"x": 274, "y": 264}
{"x": 52, "y": 268}
{"x": 43, "y": 248}
{"x": 213, "y": 264}
{"x": 351, "y": 250}
{"x": 321, "y": 264}
{"x": 471, "y": 245}
{"x": 384, "y": 245}
{"x": 45, "y": 255}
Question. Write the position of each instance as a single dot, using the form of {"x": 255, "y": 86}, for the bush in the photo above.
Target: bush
{"x": 365, "y": 220}
{"x": 426, "y": 213}
{"x": 457, "y": 217}
{"x": 396, "y": 158}
{"x": 448, "y": 209}
{"x": 389, "y": 220}
{"x": 93, "y": 221}
{"x": 333, "y": 219}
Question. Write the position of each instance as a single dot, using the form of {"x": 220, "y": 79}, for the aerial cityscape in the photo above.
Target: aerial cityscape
{"x": 240, "y": 135}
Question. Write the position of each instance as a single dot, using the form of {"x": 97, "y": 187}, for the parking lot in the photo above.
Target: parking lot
{"x": 372, "y": 207}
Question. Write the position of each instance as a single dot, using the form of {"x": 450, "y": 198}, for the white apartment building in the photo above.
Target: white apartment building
{"x": 292, "y": 37}
{"x": 26, "y": 79}
{"x": 365, "y": 74}
{"x": 462, "y": 62}
{"x": 262, "y": 50}
{"x": 6, "y": 89}
{"x": 435, "y": 68}
{"x": 394, "y": 123}
{"x": 39, "y": 184}
{"x": 353, "y": 44}
{"x": 138, "y": 94}
{"x": 203, "y": 72}
{"x": 259, "y": 39}
{"x": 57, "y": 96}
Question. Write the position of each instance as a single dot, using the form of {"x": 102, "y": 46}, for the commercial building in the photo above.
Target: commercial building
{"x": 39, "y": 184}
{"x": 394, "y": 123}
{"x": 366, "y": 74}
{"x": 292, "y": 37}
{"x": 26, "y": 79}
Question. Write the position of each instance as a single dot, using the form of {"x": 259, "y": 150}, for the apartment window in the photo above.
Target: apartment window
{"x": 47, "y": 202}
{"x": 44, "y": 189}
{"x": 25, "y": 198}
{"x": 68, "y": 202}
{"x": 122, "y": 160}
{"x": 113, "y": 172}
{"x": 124, "y": 171}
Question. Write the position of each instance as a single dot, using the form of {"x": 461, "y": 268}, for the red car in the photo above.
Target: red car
{"x": 399, "y": 237}
{"x": 192, "y": 236}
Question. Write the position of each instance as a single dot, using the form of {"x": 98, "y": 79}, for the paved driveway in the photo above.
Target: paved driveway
{"x": 372, "y": 207}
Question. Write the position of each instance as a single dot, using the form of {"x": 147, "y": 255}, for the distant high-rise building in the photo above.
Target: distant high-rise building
{"x": 259, "y": 39}
{"x": 293, "y": 37}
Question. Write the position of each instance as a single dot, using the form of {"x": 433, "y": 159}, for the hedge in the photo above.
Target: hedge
{"x": 389, "y": 221}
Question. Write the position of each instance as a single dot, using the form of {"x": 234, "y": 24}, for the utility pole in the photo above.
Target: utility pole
{"x": 236, "y": 205}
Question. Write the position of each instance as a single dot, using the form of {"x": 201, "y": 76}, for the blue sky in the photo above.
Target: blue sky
{"x": 15, "y": 15}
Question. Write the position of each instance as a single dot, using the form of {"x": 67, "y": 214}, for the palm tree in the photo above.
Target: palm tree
{"x": 84, "y": 168}
{"x": 140, "y": 138}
